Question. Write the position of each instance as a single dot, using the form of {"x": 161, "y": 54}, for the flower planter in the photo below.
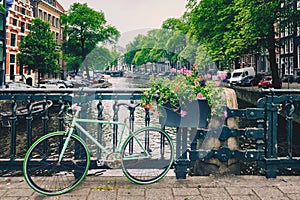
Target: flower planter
{"x": 197, "y": 115}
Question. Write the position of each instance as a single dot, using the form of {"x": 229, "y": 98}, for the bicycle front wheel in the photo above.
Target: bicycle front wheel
{"x": 147, "y": 155}
{"x": 42, "y": 171}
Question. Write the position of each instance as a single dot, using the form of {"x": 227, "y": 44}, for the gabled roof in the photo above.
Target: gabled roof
{"x": 59, "y": 6}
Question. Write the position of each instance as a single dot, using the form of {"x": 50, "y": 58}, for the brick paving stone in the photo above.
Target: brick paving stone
{"x": 239, "y": 191}
{"x": 188, "y": 198}
{"x": 250, "y": 197}
{"x": 186, "y": 192}
{"x": 208, "y": 193}
{"x": 290, "y": 189}
{"x": 131, "y": 192}
{"x": 294, "y": 196}
{"x": 270, "y": 193}
{"x": 159, "y": 194}
{"x": 103, "y": 195}
{"x": 19, "y": 193}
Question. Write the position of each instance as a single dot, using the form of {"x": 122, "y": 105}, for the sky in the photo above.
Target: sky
{"x": 132, "y": 17}
{"x": 129, "y": 15}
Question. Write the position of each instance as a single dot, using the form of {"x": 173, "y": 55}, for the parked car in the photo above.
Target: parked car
{"x": 51, "y": 84}
{"x": 288, "y": 78}
{"x": 17, "y": 85}
{"x": 239, "y": 74}
{"x": 267, "y": 82}
{"x": 67, "y": 84}
{"x": 246, "y": 81}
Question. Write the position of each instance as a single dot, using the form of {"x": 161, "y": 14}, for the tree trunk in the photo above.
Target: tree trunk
{"x": 86, "y": 67}
{"x": 273, "y": 64}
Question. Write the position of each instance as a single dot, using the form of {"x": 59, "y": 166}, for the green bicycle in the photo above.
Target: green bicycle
{"x": 58, "y": 162}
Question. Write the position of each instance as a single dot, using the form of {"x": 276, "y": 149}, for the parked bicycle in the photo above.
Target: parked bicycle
{"x": 58, "y": 162}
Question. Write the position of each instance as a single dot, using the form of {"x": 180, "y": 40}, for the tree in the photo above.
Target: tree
{"x": 101, "y": 57}
{"x": 85, "y": 28}
{"x": 232, "y": 28}
{"x": 38, "y": 49}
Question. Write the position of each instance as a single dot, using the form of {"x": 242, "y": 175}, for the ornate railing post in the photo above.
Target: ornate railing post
{"x": 13, "y": 134}
{"x": 29, "y": 119}
{"x": 115, "y": 126}
{"x": 100, "y": 130}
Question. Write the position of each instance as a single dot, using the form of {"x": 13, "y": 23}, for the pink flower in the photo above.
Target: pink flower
{"x": 208, "y": 76}
{"x": 196, "y": 83}
{"x": 156, "y": 114}
{"x": 200, "y": 96}
{"x": 218, "y": 83}
{"x": 175, "y": 110}
{"x": 188, "y": 72}
{"x": 225, "y": 114}
{"x": 173, "y": 70}
{"x": 222, "y": 76}
{"x": 176, "y": 89}
{"x": 183, "y": 113}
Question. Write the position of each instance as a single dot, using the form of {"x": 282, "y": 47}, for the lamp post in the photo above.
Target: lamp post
{"x": 2, "y": 42}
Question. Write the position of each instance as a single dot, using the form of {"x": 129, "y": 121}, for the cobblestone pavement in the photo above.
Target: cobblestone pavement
{"x": 196, "y": 187}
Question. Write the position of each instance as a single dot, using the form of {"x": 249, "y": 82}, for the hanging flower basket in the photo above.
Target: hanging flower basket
{"x": 194, "y": 114}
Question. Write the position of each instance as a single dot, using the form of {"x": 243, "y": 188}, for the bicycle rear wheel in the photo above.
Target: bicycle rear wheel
{"x": 42, "y": 171}
{"x": 144, "y": 168}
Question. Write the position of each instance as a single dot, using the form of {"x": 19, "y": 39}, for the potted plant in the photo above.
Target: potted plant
{"x": 187, "y": 100}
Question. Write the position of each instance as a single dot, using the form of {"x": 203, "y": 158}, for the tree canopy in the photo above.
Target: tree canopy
{"x": 232, "y": 28}
{"x": 85, "y": 28}
{"x": 38, "y": 49}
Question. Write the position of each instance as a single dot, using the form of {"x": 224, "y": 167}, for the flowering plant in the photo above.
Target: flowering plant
{"x": 185, "y": 87}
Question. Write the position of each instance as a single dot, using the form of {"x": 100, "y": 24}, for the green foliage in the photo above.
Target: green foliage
{"x": 187, "y": 85}
{"x": 85, "y": 29}
{"x": 232, "y": 28}
{"x": 2, "y": 9}
{"x": 101, "y": 57}
{"x": 38, "y": 49}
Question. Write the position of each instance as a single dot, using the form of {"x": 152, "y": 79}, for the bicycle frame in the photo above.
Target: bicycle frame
{"x": 75, "y": 124}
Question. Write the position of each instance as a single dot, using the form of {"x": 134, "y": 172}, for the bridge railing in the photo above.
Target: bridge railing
{"x": 41, "y": 111}
{"x": 275, "y": 105}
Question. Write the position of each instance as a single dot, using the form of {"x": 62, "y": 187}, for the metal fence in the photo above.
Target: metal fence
{"x": 275, "y": 103}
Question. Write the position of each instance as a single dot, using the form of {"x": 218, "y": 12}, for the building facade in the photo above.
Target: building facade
{"x": 19, "y": 19}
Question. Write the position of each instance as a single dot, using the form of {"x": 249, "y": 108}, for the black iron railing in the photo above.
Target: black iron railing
{"x": 30, "y": 104}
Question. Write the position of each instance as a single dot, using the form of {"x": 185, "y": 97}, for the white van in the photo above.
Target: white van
{"x": 238, "y": 74}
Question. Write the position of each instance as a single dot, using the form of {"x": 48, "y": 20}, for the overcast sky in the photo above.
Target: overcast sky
{"x": 130, "y": 15}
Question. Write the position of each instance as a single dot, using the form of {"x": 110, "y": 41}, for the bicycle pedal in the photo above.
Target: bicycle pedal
{"x": 100, "y": 163}
{"x": 99, "y": 173}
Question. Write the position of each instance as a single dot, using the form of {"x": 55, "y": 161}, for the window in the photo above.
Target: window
{"x": 286, "y": 45}
{"x": 49, "y": 17}
{"x": 57, "y": 22}
{"x": 45, "y": 16}
{"x": 291, "y": 63}
{"x": 12, "y": 39}
{"x": 23, "y": 11}
{"x": 12, "y": 58}
{"x": 298, "y": 5}
{"x": 15, "y": 22}
{"x": 40, "y": 14}
{"x": 53, "y": 20}
{"x": 291, "y": 46}
{"x": 22, "y": 27}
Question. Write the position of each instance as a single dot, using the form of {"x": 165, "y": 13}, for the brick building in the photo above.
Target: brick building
{"x": 19, "y": 18}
